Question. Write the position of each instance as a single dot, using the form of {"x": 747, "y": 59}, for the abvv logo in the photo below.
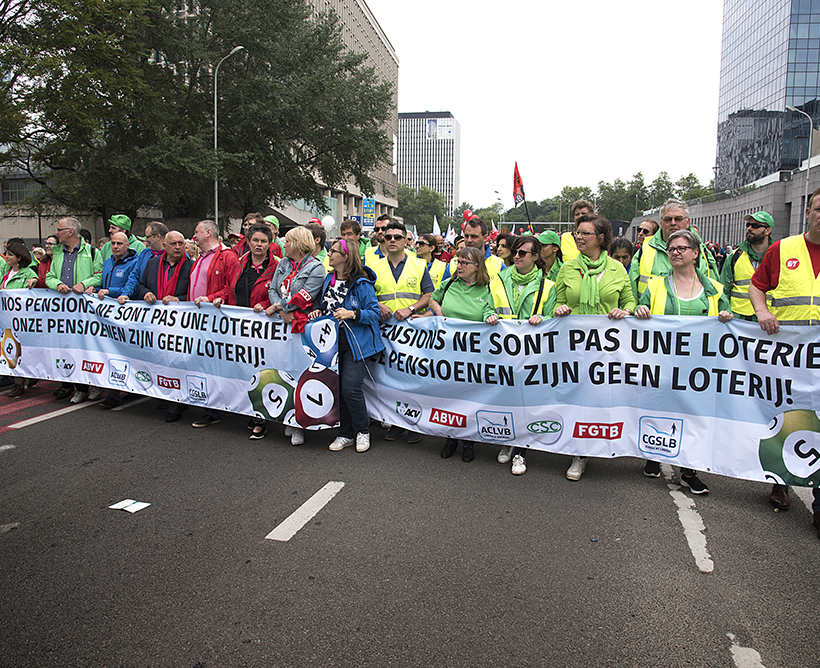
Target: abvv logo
{"x": 448, "y": 419}
{"x": 92, "y": 367}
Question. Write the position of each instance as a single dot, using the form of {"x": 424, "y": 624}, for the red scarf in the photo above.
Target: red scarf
{"x": 168, "y": 286}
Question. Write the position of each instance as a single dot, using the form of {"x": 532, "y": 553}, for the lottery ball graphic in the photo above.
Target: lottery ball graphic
{"x": 11, "y": 349}
{"x": 316, "y": 398}
{"x": 319, "y": 341}
{"x": 272, "y": 394}
{"x": 790, "y": 450}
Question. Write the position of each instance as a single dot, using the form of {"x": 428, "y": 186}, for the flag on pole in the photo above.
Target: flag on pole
{"x": 518, "y": 187}
{"x": 495, "y": 229}
{"x": 451, "y": 236}
{"x": 513, "y": 230}
{"x": 436, "y": 228}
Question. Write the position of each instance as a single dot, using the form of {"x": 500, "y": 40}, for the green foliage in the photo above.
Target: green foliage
{"x": 417, "y": 208}
{"x": 112, "y": 100}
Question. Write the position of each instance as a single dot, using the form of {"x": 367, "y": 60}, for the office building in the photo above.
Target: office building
{"x": 770, "y": 59}
{"x": 429, "y": 149}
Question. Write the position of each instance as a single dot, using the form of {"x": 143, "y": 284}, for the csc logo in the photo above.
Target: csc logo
{"x": 545, "y": 427}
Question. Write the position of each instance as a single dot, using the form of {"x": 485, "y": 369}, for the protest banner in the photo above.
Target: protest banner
{"x": 688, "y": 391}
{"x": 230, "y": 359}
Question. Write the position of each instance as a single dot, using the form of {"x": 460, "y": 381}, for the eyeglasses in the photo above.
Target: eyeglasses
{"x": 465, "y": 263}
{"x": 679, "y": 249}
{"x": 756, "y": 226}
{"x": 49, "y": 243}
{"x": 584, "y": 234}
{"x": 522, "y": 253}
{"x": 422, "y": 243}
{"x": 393, "y": 237}
{"x": 63, "y": 229}
{"x": 669, "y": 219}
{"x": 643, "y": 230}
{"x": 379, "y": 229}
{"x": 334, "y": 250}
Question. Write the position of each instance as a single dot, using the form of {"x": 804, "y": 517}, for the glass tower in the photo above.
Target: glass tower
{"x": 770, "y": 58}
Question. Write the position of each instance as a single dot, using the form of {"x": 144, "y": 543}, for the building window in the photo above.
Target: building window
{"x": 16, "y": 190}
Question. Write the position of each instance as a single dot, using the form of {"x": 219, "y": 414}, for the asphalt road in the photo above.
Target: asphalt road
{"x": 417, "y": 561}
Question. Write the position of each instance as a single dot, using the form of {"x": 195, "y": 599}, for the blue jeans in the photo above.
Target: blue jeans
{"x": 353, "y": 418}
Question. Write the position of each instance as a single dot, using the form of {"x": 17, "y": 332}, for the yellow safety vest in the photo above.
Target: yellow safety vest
{"x": 796, "y": 299}
{"x": 436, "y": 271}
{"x": 404, "y": 292}
{"x": 742, "y": 272}
{"x": 658, "y": 295}
{"x": 569, "y": 249}
{"x": 503, "y": 308}
{"x": 492, "y": 263}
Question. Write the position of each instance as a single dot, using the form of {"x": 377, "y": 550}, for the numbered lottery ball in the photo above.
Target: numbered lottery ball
{"x": 790, "y": 450}
{"x": 317, "y": 398}
{"x": 272, "y": 394}
{"x": 319, "y": 341}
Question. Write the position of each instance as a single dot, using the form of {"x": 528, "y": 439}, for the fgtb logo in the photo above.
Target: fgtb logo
{"x": 792, "y": 263}
{"x": 495, "y": 426}
{"x": 197, "y": 389}
{"x": 168, "y": 383}
{"x": 409, "y": 410}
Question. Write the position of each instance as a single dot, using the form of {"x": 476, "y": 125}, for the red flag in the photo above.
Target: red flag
{"x": 518, "y": 187}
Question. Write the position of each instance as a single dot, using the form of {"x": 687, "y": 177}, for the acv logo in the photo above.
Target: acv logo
{"x": 409, "y": 410}
{"x": 65, "y": 365}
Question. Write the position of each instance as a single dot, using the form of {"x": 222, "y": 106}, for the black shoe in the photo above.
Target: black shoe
{"x": 63, "y": 392}
{"x": 259, "y": 435}
{"x": 467, "y": 454}
{"x": 394, "y": 433}
{"x": 110, "y": 402}
{"x": 652, "y": 469}
{"x": 413, "y": 437}
{"x": 205, "y": 421}
{"x": 5, "y": 381}
{"x": 172, "y": 417}
{"x": 694, "y": 484}
{"x": 449, "y": 448}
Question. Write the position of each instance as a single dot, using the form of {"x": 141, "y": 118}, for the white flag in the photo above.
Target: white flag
{"x": 495, "y": 229}
{"x": 436, "y": 228}
{"x": 451, "y": 236}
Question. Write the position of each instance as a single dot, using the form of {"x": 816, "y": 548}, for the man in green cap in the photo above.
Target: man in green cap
{"x": 273, "y": 223}
{"x": 742, "y": 263}
{"x": 121, "y": 223}
{"x": 551, "y": 253}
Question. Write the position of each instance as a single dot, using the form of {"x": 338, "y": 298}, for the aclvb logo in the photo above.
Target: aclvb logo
{"x": 495, "y": 426}
{"x": 118, "y": 372}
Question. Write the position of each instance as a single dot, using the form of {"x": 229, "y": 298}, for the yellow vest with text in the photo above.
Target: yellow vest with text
{"x": 436, "y": 271}
{"x": 492, "y": 263}
{"x": 796, "y": 299}
{"x": 658, "y": 296}
{"x": 569, "y": 249}
{"x": 503, "y": 308}
{"x": 404, "y": 292}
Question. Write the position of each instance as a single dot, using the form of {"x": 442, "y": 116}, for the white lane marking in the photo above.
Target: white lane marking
{"x": 5, "y": 528}
{"x": 7, "y": 447}
{"x": 805, "y": 495}
{"x": 306, "y": 512}
{"x": 129, "y": 404}
{"x": 744, "y": 657}
{"x": 690, "y": 519}
{"x": 53, "y": 414}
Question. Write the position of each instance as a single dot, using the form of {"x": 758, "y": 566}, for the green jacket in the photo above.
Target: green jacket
{"x": 614, "y": 288}
{"x": 528, "y": 295}
{"x": 711, "y": 288}
{"x": 18, "y": 281}
{"x": 87, "y": 269}
{"x": 661, "y": 264}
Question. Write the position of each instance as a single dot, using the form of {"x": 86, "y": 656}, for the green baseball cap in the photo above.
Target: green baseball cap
{"x": 122, "y": 221}
{"x": 549, "y": 237}
{"x": 273, "y": 220}
{"x": 761, "y": 217}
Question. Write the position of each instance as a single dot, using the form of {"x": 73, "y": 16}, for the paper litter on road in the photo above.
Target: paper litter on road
{"x": 130, "y": 505}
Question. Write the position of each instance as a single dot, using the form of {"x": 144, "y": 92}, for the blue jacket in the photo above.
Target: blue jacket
{"x": 363, "y": 334}
{"x": 121, "y": 277}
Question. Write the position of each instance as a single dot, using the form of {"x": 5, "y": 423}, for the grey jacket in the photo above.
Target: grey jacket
{"x": 310, "y": 278}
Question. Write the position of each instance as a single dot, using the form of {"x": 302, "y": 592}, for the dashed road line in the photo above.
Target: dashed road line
{"x": 744, "y": 657}
{"x": 805, "y": 495}
{"x": 692, "y": 523}
{"x": 306, "y": 512}
{"x": 48, "y": 416}
{"x": 129, "y": 403}
{"x": 7, "y": 447}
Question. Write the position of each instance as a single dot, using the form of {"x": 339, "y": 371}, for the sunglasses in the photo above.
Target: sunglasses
{"x": 522, "y": 253}
{"x": 756, "y": 226}
{"x": 393, "y": 237}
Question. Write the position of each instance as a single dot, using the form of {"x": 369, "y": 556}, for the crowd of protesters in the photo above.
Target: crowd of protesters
{"x": 481, "y": 276}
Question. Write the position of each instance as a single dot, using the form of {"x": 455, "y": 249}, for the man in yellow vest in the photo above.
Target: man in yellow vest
{"x": 403, "y": 287}
{"x": 789, "y": 274}
{"x": 646, "y": 229}
{"x": 379, "y": 250}
{"x": 475, "y": 236}
{"x": 580, "y": 208}
{"x": 741, "y": 265}
{"x": 652, "y": 258}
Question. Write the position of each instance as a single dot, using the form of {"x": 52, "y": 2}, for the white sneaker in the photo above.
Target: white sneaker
{"x": 519, "y": 466}
{"x": 505, "y": 454}
{"x": 362, "y": 442}
{"x": 297, "y": 436}
{"x": 340, "y": 443}
{"x": 288, "y": 431}
{"x": 94, "y": 393}
{"x": 576, "y": 469}
{"x": 79, "y": 397}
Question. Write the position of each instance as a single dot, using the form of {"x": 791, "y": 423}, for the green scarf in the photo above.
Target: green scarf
{"x": 522, "y": 279}
{"x": 590, "y": 297}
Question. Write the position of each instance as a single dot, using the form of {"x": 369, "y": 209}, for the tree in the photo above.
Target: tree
{"x": 117, "y": 97}
{"x": 661, "y": 189}
{"x": 689, "y": 187}
{"x": 417, "y": 208}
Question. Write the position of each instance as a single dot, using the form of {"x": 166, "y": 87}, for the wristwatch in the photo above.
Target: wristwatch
{"x": 412, "y": 308}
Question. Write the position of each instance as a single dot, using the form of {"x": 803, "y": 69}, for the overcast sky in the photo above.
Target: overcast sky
{"x": 576, "y": 92}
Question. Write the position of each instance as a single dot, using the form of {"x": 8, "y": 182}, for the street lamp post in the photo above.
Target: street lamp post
{"x": 808, "y": 164}
{"x": 216, "y": 164}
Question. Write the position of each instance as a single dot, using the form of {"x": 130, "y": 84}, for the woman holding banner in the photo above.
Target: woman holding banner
{"x": 16, "y": 274}
{"x": 522, "y": 291}
{"x": 686, "y": 291}
{"x": 592, "y": 283}
{"x": 294, "y": 288}
{"x": 349, "y": 296}
{"x": 465, "y": 296}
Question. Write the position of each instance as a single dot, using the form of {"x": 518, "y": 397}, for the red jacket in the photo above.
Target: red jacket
{"x": 259, "y": 291}
{"x": 42, "y": 270}
{"x": 221, "y": 276}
